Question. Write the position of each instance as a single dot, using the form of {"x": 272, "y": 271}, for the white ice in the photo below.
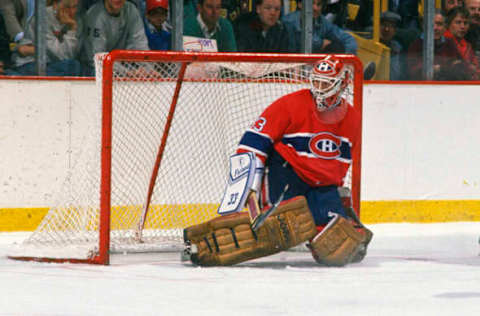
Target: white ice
{"x": 411, "y": 269}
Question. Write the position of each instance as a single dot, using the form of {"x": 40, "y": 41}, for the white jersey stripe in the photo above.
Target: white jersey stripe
{"x": 254, "y": 150}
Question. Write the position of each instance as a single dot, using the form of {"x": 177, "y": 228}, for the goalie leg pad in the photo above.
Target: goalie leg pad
{"x": 229, "y": 239}
{"x": 340, "y": 243}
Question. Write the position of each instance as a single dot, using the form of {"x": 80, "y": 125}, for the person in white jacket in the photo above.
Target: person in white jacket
{"x": 63, "y": 36}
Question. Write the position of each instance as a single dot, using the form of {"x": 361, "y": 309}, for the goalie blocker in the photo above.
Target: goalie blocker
{"x": 230, "y": 239}
{"x": 245, "y": 177}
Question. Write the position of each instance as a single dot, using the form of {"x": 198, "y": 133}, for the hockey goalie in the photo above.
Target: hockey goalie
{"x": 294, "y": 158}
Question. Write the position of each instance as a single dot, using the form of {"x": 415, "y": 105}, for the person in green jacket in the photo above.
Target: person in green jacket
{"x": 209, "y": 24}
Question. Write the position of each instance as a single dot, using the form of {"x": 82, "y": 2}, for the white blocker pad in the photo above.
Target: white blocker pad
{"x": 243, "y": 171}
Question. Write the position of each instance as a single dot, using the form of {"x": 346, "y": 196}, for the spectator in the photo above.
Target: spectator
{"x": 458, "y": 20}
{"x": 388, "y": 27}
{"x": 15, "y": 13}
{"x": 264, "y": 32}
{"x": 209, "y": 24}
{"x": 473, "y": 34}
{"x": 445, "y": 54}
{"x": 111, "y": 24}
{"x": 335, "y": 11}
{"x": 159, "y": 38}
{"x": 326, "y": 37}
{"x": 4, "y": 45}
{"x": 86, "y": 4}
{"x": 62, "y": 40}
{"x": 409, "y": 29}
{"x": 448, "y": 5}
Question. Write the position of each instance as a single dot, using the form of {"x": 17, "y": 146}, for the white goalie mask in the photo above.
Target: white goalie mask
{"x": 328, "y": 79}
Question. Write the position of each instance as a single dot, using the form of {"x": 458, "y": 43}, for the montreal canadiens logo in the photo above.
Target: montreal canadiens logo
{"x": 325, "y": 145}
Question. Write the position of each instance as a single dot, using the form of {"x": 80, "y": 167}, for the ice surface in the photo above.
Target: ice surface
{"x": 411, "y": 269}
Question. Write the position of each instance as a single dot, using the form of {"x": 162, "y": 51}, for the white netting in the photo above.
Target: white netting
{"x": 217, "y": 102}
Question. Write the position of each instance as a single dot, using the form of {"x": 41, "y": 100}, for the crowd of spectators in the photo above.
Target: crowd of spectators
{"x": 77, "y": 29}
{"x": 63, "y": 34}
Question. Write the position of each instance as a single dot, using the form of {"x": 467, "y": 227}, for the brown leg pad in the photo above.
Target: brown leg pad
{"x": 229, "y": 239}
{"x": 340, "y": 243}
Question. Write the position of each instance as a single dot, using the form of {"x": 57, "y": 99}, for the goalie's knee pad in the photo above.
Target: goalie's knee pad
{"x": 229, "y": 239}
{"x": 340, "y": 243}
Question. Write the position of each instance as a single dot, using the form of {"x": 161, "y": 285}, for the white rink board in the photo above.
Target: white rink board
{"x": 40, "y": 135}
{"x": 419, "y": 142}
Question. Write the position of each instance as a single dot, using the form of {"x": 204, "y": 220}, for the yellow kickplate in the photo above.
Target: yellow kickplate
{"x": 413, "y": 211}
{"x": 420, "y": 211}
{"x": 21, "y": 219}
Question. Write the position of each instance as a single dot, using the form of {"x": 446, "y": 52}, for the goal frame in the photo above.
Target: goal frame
{"x": 103, "y": 255}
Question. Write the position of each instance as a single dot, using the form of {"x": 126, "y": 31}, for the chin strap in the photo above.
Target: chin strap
{"x": 322, "y": 108}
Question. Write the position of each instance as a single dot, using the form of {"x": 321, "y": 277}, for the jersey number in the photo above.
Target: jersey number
{"x": 259, "y": 124}
{"x": 233, "y": 198}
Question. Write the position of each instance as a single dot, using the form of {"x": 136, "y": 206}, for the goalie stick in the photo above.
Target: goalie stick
{"x": 351, "y": 213}
{"x": 252, "y": 206}
{"x": 258, "y": 220}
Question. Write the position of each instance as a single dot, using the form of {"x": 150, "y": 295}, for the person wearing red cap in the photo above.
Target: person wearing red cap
{"x": 158, "y": 35}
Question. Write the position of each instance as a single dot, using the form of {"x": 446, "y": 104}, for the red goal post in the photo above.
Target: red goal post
{"x": 155, "y": 158}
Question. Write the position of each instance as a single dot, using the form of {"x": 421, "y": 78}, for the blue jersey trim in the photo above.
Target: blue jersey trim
{"x": 259, "y": 142}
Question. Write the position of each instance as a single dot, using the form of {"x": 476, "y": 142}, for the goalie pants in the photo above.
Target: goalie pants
{"x": 321, "y": 200}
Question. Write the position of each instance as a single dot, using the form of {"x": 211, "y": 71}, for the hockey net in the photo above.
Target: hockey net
{"x": 155, "y": 158}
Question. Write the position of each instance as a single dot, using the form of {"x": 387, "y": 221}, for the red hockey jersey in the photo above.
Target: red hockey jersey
{"x": 319, "y": 153}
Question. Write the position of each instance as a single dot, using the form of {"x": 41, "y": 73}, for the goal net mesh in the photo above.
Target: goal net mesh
{"x": 216, "y": 103}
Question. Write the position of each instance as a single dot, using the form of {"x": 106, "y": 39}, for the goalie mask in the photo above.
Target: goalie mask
{"x": 328, "y": 79}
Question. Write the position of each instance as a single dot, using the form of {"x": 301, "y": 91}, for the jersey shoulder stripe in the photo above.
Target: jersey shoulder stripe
{"x": 261, "y": 143}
